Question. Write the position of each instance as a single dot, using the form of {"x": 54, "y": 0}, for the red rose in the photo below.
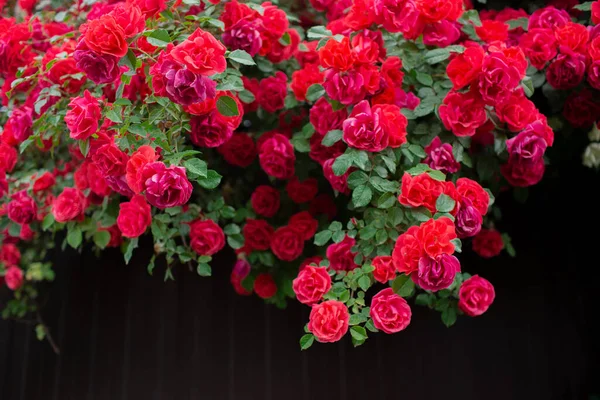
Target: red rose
{"x": 436, "y": 236}
{"x": 83, "y": 116}
{"x": 257, "y": 234}
{"x": 323, "y": 204}
{"x": 22, "y": 209}
{"x": 265, "y": 201}
{"x": 264, "y": 286}
{"x": 110, "y": 160}
{"x": 384, "y": 269}
{"x": 311, "y": 284}
{"x": 105, "y": 36}
{"x": 8, "y": 157}
{"x": 321, "y": 153}
{"x": 337, "y": 55}
{"x": 499, "y": 77}
{"x": 324, "y": 119}
{"x": 130, "y": 18}
{"x": 201, "y": 53}
{"x": 116, "y": 238}
{"x": 475, "y": 296}
{"x": 134, "y": 217}
{"x": 549, "y": 18}
{"x": 304, "y": 224}
{"x": 473, "y": 191}
{"x": 240, "y": 271}
{"x": 361, "y": 15}
{"x": 596, "y": 12}
{"x": 150, "y": 7}
{"x": 314, "y": 260}
{"x": 13, "y": 277}
{"x": 274, "y": 20}
{"x": 235, "y": 11}
{"x": 44, "y": 182}
{"x": 240, "y": 150}
{"x": 68, "y": 205}
{"x": 581, "y": 109}
{"x": 393, "y": 122}
{"x": 488, "y": 243}
{"x": 142, "y": 156}
{"x": 518, "y": 112}
{"x": 539, "y": 46}
{"x": 522, "y": 173}
{"x": 272, "y": 92}
{"x": 463, "y": 113}
{"x": 302, "y": 192}
{"x": 567, "y": 70}
{"x": 287, "y": 244}
{"x": 340, "y": 255}
{"x": 572, "y": 35}
{"x": 339, "y": 183}
{"x": 328, "y": 321}
{"x": 206, "y": 237}
{"x": 303, "y": 79}
{"x": 10, "y": 254}
{"x": 277, "y": 157}
{"x": 422, "y": 190}
{"x": 364, "y": 129}
{"x": 407, "y": 251}
{"x": 389, "y": 311}
{"x": 437, "y": 10}
{"x": 491, "y": 31}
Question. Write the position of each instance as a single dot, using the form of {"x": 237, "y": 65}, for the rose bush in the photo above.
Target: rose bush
{"x": 335, "y": 146}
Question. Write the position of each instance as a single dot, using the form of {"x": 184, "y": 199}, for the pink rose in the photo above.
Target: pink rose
{"x": 328, "y": 321}
{"x": 277, "y": 157}
{"x": 389, "y": 311}
{"x": 345, "y": 87}
{"x": 340, "y": 255}
{"x": 134, "y": 217}
{"x": 83, "y": 116}
{"x": 324, "y": 119}
{"x": 287, "y": 244}
{"x": 68, "y": 205}
{"x": 22, "y": 209}
{"x": 440, "y": 157}
{"x": 475, "y": 296}
{"x": 13, "y": 277}
{"x": 311, "y": 284}
{"x": 499, "y": 77}
{"x": 166, "y": 186}
{"x": 567, "y": 70}
{"x": 468, "y": 219}
{"x": 436, "y": 274}
{"x": 384, "y": 269}
{"x": 364, "y": 130}
{"x": 206, "y": 237}
{"x": 441, "y": 34}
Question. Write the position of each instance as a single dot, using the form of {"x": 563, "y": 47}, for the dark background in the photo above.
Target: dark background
{"x": 127, "y": 335}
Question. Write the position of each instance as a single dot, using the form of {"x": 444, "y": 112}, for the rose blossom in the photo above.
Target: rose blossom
{"x": 499, "y": 77}
{"x": 20, "y": 122}
{"x": 468, "y": 188}
{"x": 209, "y": 130}
{"x": 272, "y": 92}
{"x": 475, "y": 296}
{"x": 21, "y": 209}
{"x": 339, "y": 183}
{"x": 407, "y": 251}
{"x": 287, "y": 244}
{"x": 257, "y": 234}
{"x": 134, "y": 217}
{"x": 8, "y": 157}
{"x": 13, "y": 277}
{"x": 166, "y": 186}
{"x": 311, "y": 284}
{"x": 321, "y": 153}
{"x": 110, "y": 160}
{"x": 567, "y": 70}
{"x": 441, "y": 34}
{"x": 539, "y": 45}
{"x": 324, "y": 118}
{"x": 206, "y": 237}
{"x": 304, "y": 224}
{"x": 265, "y": 201}
{"x": 201, "y": 53}
{"x": 436, "y": 274}
{"x": 468, "y": 220}
{"x": 488, "y": 243}
{"x": 464, "y": 68}
{"x": 10, "y": 254}
{"x": 463, "y": 113}
{"x": 243, "y": 35}
{"x": 105, "y": 36}
{"x": 548, "y": 18}
{"x": 363, "y": 130}
{"x": 527, "y": 147}
{"x": 390, "y": 312}
{"x": 264, "y": 286}
{"x": 277, "y": 157}
{"x": 340, "y": 255}
{"x": 99, "y": 68}
{"x": 436, "y": 236}
{"x": 347, "y": 87}
{"x": 302, "y": 191}
{"x": 68, "y": 205}
{"x": 440, "y": 157}
{"x": 521, "y": 173}
{"x": 240, "y": 271}
{"x": 83, "y": 116}
{"x": 240, "y": 150}
{"x": 328, "y": 321}
{"x": 384, "y": 269}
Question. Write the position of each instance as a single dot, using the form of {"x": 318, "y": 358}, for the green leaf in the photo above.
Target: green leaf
{"x": 241, "y": 57}
{"x": 357, "y": 178}
{"x": 204, "y": 269}
{"x": 318, "y": 32}
{"x": 332, "y": 137}
{"x": 322, "y": 237}
{"x": 40, "y": 332}
{"x": 84, "y": 147}
{"x": 403, "y": 285}
{"x": 48, "y": 221}
{"x": 132, "y": 245}
{"x": 356, "y": 319}
{"x": 285, "y": 40}
{"x": 445, "y": 203}
{"x": 449, "y": 316}
{"x": 587, "y": 6}
{"x": 212, "y": 180}
{"x": 315, "y": 92}
{"x": 306, "y": 341}
{"x": 14, "y": 230}
{"x": 527, "y": 85}
{"x": 335, "y": 226}
{"x": 358, "y": 333}
{"x": 247, "y": 96}
{"x": 424, "y": 79}
{"x": 231, "y": 229}
{"x": 522, "y": 22}
{"x": 196, "y": 166}
{"x": 129, "y": 60}
{"x": 122, "y": 102}
{"x": 74, "y": 237}
{"x": 101, "y": 239}
{"x": 424, "y": 299}
{"x": 371, "y": 327}
{"x": 227, "y": 106}
{"x": 438, "y": 55}
{"x": 113, "y": 116}
{"x": 386, "y": 200}
{"x": 361, "y": 196}
{"x": 364, "y": 282}
{"x": 235, "y": 241}
{"x": 457, "y": 245}
{"x": 341, "y": 164}
{"x": 159, "y": 38}
{"x": 417, "y": 150}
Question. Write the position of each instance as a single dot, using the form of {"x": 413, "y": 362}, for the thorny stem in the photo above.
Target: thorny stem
{"x": 48, "y": 334}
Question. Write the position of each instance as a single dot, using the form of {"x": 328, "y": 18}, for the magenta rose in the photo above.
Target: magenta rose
{"x": 83, "y": 116}
{"x": 498, "y": 78}
{"x": 346, "y": 87}
{"x": 13, "y": 277}
{"x": 441, "y": 34}
{"x": 20, "y": 123}
{"x": 436, "y": 274}
{"x": 328, "y": 321}
{"x": 363, "y": 130}
{"x": 311, "y": 284}
{"x": 324, "y": 119}
{"x": 166, "y": 186}
{"x": 99, "y": 68}
{"x": 521, "y": 173}
{"x": 440, "y": 157}
{"x": 527, "y": 147}
{"x": 567, "y": 70}
{"x": 243, "y": 35}
{"x": 277, "y": 157}
{"x": 468, "y": 220}
{"x": 475, "y": 296}
{"x": 390, "y": 312}
{"x": 206, "y": 237}
{"x": 340, "y": 255}
{"x": 209, "y": 130}
{"x": 548, "y": 18}
{"x": 185, "y": 87}
{"x": 22, "y": 208}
